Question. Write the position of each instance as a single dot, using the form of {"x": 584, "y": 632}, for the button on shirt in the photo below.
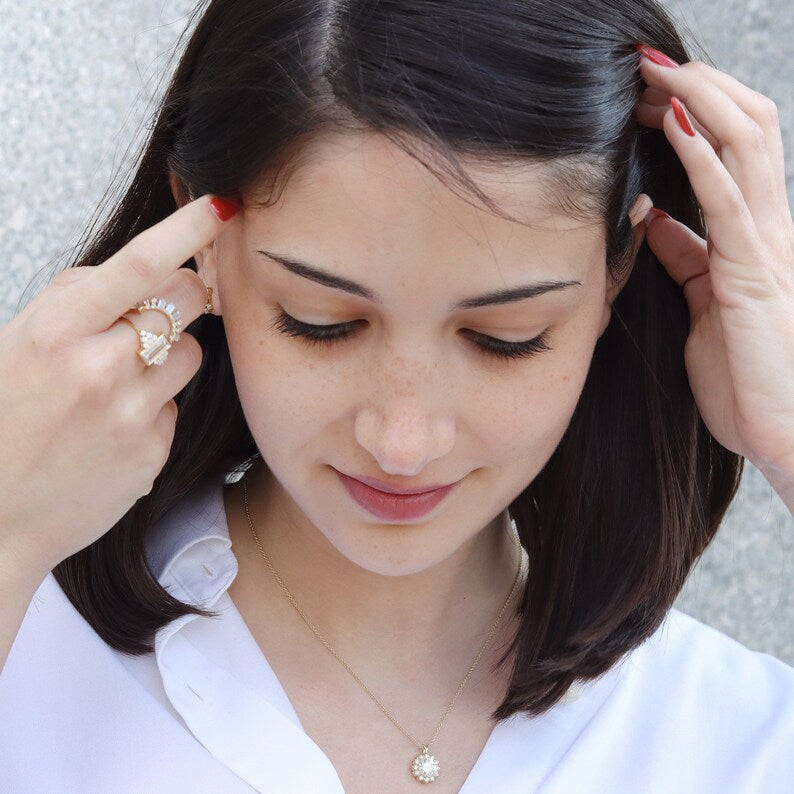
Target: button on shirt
{"x": 688, "y": 711}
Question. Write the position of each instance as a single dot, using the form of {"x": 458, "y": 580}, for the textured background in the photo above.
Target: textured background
{"x": 77, "y": 79}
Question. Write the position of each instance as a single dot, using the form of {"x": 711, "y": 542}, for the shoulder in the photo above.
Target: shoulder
{"x": 686, "y": 656}
{"x": 723, "y": 710}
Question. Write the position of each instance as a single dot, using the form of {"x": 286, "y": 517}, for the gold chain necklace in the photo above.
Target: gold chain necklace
{"x": 425, "y": 767}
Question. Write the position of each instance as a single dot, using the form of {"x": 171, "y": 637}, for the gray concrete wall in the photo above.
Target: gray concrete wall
{"x": 76, "y": 80}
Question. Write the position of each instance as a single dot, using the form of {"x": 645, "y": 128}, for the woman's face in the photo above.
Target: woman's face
{"x": 412, "y": 395}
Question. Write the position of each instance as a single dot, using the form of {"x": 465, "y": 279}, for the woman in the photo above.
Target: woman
{"x": 441, "y": 296}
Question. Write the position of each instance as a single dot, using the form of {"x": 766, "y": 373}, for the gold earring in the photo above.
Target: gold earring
{"x": 208, "y": 306}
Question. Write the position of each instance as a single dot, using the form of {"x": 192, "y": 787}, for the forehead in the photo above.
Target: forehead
{"x": 365, "y": 192}
{"x": 529, "y": 191}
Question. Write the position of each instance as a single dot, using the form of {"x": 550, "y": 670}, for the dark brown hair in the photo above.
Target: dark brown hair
{"x": 637, "y": 487}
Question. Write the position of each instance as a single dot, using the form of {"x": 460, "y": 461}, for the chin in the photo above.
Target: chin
{"x": 402, "y": 552}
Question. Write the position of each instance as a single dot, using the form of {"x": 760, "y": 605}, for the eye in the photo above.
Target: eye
{"x": 315, "y": 334}
{"x": 499, "y": 348}
{"x": 327, "y": 334}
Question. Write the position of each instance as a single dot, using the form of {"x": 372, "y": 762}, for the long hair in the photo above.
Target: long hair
{"x": 637, "y": 487}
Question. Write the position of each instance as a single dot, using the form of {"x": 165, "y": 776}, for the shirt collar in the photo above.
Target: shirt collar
{"x": 189, "y": 550}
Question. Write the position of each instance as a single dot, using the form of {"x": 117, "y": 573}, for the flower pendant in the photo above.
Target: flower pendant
{"x": 425, "y": 767}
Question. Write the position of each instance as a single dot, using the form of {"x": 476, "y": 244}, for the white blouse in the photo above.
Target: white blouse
{"x": 690, "y": 710}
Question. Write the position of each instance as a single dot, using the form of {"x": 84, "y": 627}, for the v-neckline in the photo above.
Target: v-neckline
{"x": 274, "y": 691}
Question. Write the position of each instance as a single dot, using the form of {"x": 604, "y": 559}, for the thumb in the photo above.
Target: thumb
{"x": 683, "y": 254}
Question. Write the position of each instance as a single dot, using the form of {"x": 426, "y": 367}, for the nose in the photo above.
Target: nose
{"x": 403, "y": 435}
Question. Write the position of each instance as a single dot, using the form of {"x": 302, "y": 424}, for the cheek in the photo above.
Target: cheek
{"x": 286, "y": 398}
{"x": 530, "y": 414}
{"x": 528, "y": 427}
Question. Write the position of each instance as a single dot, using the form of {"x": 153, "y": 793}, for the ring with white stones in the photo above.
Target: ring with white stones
{"x": 154, "y": 347}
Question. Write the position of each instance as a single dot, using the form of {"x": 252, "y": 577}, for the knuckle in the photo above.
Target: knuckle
{"x": 753, "y": 134}
{"x": 147, "y": 484}
{"x": 735, "y": 202}
{"x": 166, "y": 432}
{"x": 97, "y": 364}
{"x": 192, "y": 352}
{"x": 151, "y": 453}
{"x": 172, "y": 408}
{"x": 172, "y": 413}
{"x": 732, "y": 204}
{"x": 68, "y": 277}
{"x": 128, "y": 415}
{"x": 768, "y": 110}
{"x": 139, "y": 257}
{"x": 161, "y": 451}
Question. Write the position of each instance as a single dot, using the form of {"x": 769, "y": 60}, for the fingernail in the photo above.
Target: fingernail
{"x": 223, "y": 208}
{"x": 653, "y": 214}
{"x": 681, "y": 116}
{"x": 654, "y": 55}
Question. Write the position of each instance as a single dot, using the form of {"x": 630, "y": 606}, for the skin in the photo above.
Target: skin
{"x": 407, "y": 400}
{"x": 738, "y": 282}
{"x": 410, "y": 400}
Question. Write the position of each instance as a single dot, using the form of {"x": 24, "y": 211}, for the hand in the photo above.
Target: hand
{"x": 739, "y": 282}
{"x": 85, "y": 426}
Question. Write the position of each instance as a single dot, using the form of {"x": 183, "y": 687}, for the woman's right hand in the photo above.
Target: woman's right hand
{"x": 85, "y": 426}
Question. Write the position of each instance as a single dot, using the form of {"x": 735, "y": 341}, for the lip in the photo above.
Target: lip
{"x": 382, "y": 486}
{"x": 392, "y": 504}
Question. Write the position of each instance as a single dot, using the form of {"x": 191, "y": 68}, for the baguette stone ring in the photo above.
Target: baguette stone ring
{"x": 154, "y": 347}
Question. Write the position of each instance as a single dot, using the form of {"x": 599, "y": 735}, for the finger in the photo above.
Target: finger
{"x": 166, "y": 422}
{"x": 732, "y": 229}
{"x": 653, "y": 104}
{"x": 155, "y": 384}
{"x": 755, "y": 104}
{"x": 684, "y": 255}
{"x": 759, "y": 107}
{"x": 653, "y": 116}
{"x": 134, "y": 272}
{"x": 743, "y": 142}
{"x": 655, "y": 96}
{"x": 185, "y": 290}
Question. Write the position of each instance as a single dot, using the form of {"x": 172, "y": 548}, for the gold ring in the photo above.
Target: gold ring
{"x": 154, "y": 348}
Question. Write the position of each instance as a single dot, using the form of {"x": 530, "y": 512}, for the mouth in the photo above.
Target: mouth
{"x": 393, "y": 504}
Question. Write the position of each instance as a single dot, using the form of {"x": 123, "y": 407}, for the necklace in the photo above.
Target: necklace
{"x": 425, "y": 767}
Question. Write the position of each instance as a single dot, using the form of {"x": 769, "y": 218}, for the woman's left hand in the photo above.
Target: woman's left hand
{"x": 739, "y": 282}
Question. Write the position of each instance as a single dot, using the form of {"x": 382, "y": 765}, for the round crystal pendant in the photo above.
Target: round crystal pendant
{"x": 425, "y": 767}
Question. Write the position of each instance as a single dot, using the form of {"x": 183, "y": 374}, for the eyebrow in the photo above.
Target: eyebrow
{"x": 320, "y": 276}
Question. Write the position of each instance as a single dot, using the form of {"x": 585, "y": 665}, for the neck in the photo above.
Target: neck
{"x": 365, "y": 614}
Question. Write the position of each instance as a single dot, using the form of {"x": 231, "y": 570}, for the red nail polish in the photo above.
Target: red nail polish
{"x": 681, "y": 116}
{"x": 223, "y": 208}
{"x": 653, "y": 214}
{"x": 654, "y": 55}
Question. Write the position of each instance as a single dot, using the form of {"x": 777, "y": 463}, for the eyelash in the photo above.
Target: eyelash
{"x": 327, "y": 334}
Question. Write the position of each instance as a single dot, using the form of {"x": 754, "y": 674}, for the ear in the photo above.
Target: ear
{"x": 205, "y": 258}
{"x": 637, "y": 215}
